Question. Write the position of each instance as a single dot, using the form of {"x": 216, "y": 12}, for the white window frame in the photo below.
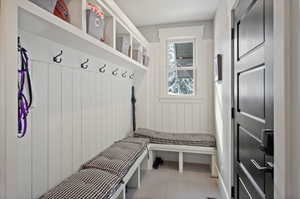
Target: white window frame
{"x": 193, "y": 67}
{"x": 179, "y": 33}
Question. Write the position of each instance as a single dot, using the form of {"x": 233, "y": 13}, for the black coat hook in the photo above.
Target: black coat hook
{"x": 131, "y": 76}
{"x": 102, "y": 69}
{"x": 124, "y": 74}
{"x": 57, "y": 58}
{"x": 84, "y": 64}
{"x": 115, "y": 72}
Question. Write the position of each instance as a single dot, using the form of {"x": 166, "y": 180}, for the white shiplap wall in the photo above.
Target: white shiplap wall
{"x": 178, "y": 115}
{"x": 77, "y": 113}
{"x": 2, "y": 122}
{"x": 161, "y": 113}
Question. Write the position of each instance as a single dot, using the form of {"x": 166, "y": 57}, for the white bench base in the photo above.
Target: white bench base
{"x": 132, "y": 178}
{"x": 184, "y": 149}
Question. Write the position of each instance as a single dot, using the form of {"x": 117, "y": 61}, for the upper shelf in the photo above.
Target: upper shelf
{"x": 36, "y": 20}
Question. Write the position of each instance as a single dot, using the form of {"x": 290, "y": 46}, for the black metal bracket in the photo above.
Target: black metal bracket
{"x": 131, "y": 76}
{"x": 115, "y": 72}
{"x": 84, "y": 64}
{"x": 19, "y": 44}
{"x": 102, "y": 69}
{"x": 124, "y": 74}
{"x": 57, "y": 58}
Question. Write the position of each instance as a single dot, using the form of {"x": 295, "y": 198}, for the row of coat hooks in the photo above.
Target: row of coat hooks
{"x": 58, "y": 59}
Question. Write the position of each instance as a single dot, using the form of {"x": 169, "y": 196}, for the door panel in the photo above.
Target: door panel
{"x": 253, "y": 98}
{"x": 252, "y": 83}
{"x": 251, "y": 29}
{"x": 245, "y": 188}
{"x": 248, "y": 151}
{"x": 243, "y": 191}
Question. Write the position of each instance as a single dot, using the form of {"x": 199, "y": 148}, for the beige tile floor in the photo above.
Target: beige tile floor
{"x": 166, "y": 183}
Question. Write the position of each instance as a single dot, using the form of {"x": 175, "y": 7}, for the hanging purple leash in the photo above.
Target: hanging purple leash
{"x": 23, "y": 104}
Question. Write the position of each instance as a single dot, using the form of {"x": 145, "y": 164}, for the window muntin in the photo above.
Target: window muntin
{"x": 181, "y": 67}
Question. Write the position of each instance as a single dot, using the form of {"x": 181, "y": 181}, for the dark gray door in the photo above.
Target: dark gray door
{"x": 253, "y": 85}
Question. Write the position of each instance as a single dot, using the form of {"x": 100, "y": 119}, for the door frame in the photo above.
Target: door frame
{"x": 282, "y": 93}
{"x": 232, "y": 100}
{"x": 8, "y": 107}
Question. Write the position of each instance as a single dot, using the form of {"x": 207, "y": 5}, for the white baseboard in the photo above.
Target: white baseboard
{"x": 223, "y": 191}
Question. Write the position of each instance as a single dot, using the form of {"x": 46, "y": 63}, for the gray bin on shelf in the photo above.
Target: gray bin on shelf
{"x": 146, "y": 60}
{"x": 45, "y": 4}
{"x": 95, "y": 25}
{"x": 137, "y": 55}
{"x": 123, "y": 44}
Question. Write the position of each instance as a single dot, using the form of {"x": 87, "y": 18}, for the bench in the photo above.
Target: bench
{"x": 180, "y": 143}
{"x": 107, "y": 175}
{"x": 181, "y": 149}
{"x": 119, "y": 166}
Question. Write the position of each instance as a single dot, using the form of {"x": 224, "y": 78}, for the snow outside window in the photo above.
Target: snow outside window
{"x": 181, "y": 67}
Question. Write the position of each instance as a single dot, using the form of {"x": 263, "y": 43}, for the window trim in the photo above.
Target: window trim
{"x": 192, "y": 68}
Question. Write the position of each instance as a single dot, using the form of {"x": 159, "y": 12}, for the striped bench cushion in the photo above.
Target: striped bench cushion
{"x": 129, "y": 145}
{"x": 189, "y": 139}
{"x": 86, "y": 184}
{"x": 139, "y": 148}
{"x": 116, "y": 151}
{"x": 142, "y": 141}
{"x": 115, "y": 166}
{"x": 116, "y": 159}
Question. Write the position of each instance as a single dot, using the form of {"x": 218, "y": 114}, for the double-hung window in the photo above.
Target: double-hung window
{"x": 181, "y": 69}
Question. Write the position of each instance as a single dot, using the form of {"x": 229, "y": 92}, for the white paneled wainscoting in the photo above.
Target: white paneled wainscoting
{"x": 178, "y": 114}
{"x": 76, "y": 114}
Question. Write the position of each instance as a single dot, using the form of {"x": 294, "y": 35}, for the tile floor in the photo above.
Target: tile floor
{"x": 167, "y": 183}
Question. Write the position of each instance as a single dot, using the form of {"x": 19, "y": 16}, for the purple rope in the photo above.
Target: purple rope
{"x": 23, "y": 105}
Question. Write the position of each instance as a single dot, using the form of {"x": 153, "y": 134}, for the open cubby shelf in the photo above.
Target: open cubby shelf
{"x": 36, "y": 20}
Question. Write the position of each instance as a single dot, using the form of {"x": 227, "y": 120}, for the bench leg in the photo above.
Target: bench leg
{"x": 150, "y": 160}
{"x": 124, "y": 192}
{"x": 213, "y": 165}
{"x": 139, "y": 177}
{"x": 135, "y": 180}
{"x": 180, "y": 161}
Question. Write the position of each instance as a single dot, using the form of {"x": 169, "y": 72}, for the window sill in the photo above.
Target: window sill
{"x": 180, "y": 99}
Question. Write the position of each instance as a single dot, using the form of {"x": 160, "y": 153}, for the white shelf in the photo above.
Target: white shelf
{"x": 38, "y": 21}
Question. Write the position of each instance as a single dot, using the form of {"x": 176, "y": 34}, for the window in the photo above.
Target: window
{"x": 181, "y": 67}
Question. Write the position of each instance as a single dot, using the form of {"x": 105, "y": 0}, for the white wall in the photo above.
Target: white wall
{"x": 223, "y": 95}
{"x": 77, "y": 114}
{"x": 282, "y": 101}
{"x": 293, "y": 190}
{"x": 177, "y": 115}
{"x": 2, "y": 121}
{"x": 190, "y": 116}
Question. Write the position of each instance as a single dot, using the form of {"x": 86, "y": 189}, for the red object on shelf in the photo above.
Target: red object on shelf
{"x": 95, "y": 9}
{"x": 61, "y": 10}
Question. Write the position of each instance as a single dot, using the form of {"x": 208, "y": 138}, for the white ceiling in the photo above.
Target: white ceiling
{"x": 153, "y": 12}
